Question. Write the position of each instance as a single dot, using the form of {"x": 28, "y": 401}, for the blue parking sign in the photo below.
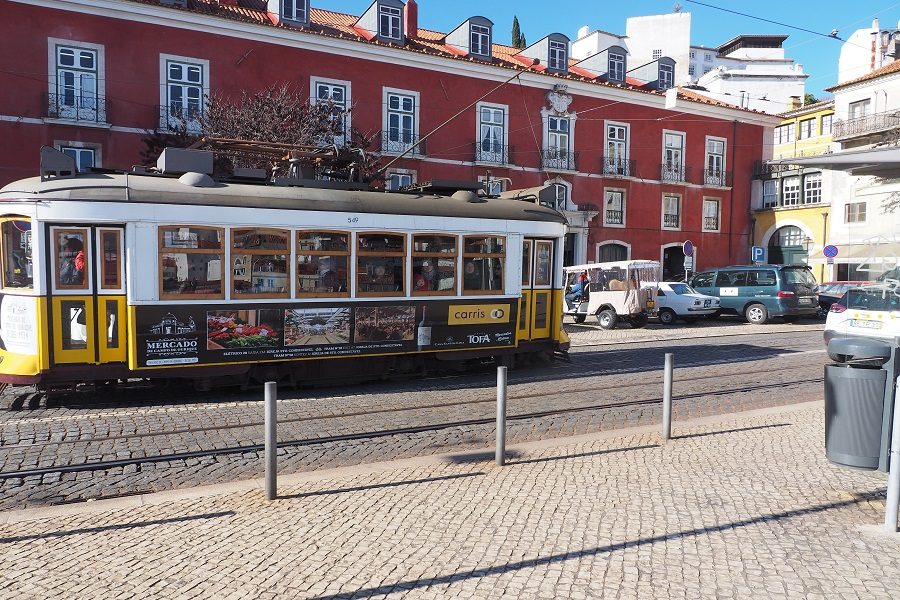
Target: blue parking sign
{"x": 758, "y": 254}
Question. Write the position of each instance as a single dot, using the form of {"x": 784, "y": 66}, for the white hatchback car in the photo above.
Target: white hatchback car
{"x": 871, "y": 311}
{"x": 681, "y": 301}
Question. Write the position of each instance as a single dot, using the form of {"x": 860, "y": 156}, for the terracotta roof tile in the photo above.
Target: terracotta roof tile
{"x": 893, "y": 67}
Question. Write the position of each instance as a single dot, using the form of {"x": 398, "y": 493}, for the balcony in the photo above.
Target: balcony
{"x": 555, "y": 159}
{"x": 671, "y": 221}
{"x": 180, "y": 118}
{"x": 710, "y": 223}
{"x": 673, "y": 173}
{"x": 618, "y": 167}
{"x": 83, "y": 108}
{"x": 614, "y": 217}
{"x": 398, "y": 141}
{"x": 862, "y": 126}
{"x": 494, "y": 154}
{"x": 716, "y": 177}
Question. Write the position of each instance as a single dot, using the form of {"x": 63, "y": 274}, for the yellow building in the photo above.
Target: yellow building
{"x": 792, "y": 208}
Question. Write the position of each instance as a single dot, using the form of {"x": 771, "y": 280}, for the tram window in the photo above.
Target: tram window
{"x": 434, "y": 265}
{"x": 483, "y": 262}
{"x": 381, "y": 261}
{"x": 190, "y": 262}
{"x": 74, "y": 324}
{"x": 16, "y": 253}
{"x": 526, "y": 263}
{"x": 71, "y": 259}
{"x": 111, "y": 265}
{"x": 112, "y": 324}
{"x": 323, "y": 260}
{"x": 544, "y": 258}
{"x": 260, "y": 266}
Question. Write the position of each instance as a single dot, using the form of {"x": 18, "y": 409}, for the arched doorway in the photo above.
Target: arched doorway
{"x": 612, "y": 252}
{"x": 672, "y": 262}
{"x": 786, "y": 246}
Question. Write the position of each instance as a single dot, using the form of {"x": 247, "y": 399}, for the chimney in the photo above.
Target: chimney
{"x": 411, "y": 19}
{"x": 583, "y": 32}
{"x": 794, "y": 102}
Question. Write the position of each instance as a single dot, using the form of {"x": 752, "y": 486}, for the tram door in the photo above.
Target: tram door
{"x": 535, "y": 316}
{"x": 87, "y": 294}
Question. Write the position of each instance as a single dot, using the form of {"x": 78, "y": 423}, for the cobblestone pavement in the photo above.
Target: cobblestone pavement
{"x": 744, "y": 506}
{"x": 596, "y": 391}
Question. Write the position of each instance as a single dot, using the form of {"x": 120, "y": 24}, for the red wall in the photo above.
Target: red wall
{"x": 132, "y": 92}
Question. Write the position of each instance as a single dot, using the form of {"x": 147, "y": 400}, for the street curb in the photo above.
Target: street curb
{"x": 691, "y": 337}
{"x": 46, "y": 512}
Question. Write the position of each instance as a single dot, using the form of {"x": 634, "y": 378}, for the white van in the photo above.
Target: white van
{"x": 612, "y": 292}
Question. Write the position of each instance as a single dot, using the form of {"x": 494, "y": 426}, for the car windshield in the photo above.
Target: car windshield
{"x": 681, "y": 288}
{"x": 802, "y": 276}
{"x": 873, "y": 299}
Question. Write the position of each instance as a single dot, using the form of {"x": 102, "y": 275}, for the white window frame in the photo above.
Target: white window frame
{"x": 681, "y": 151}
{"x": 395, "y": 18}
{"x": 400, "y": 173}
{"x": 567, "y": 202}
{"x": 164, "y": 60}
{"x": 680, "y": 213}
{"x": 812, "y": 190}
{"x": 823, "y": 129}
{"x": 300, "y": 6}
{"x": 692, "y": 69}
{"x": 96, "y": 115}
{"x": 557, "y": 55}
{"x": 709, "y": 178}
{"x": 96, "y": 150}
{"x": 478, "y": 35}
{"x": 623, "y": 196}
{"x": 616, "y": 164}
{"x": 315, "y": 82}
{"x": 488, "y": 156}
{"x": 807, "y": 128}
{"x": 611, "y": 243}
{"x": 666, "y": 78}
{"x": 387, "y": 92}
{"x": 865, "y": 105}
{"x": 773, "y": 184}
{"x": 848, "y": 212}
{"x": 616, "y": 67}
{"x": 498, "y": 184}
{"x": 718, "y": 214}
{"x": 791, "y": 195}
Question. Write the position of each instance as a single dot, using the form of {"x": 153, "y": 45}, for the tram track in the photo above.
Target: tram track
{"x": 409, "y": 430}
{"x": 364, "y": 413}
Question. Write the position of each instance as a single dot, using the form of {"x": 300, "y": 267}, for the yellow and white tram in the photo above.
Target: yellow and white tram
{"x": 111, "y": 276}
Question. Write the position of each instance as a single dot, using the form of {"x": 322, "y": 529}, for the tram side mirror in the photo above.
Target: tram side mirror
{"x": 56, "y": 163}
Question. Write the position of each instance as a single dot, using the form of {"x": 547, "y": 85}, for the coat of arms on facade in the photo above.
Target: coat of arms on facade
{"x": 559, "y": 99}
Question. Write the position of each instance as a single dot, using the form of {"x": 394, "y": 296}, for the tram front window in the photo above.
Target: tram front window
{"x": 16, "y": 252}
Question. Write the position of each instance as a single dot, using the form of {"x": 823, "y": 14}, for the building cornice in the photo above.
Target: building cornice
{"x": 191, "y": 21}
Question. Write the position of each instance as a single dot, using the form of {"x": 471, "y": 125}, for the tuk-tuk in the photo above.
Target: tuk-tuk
{"x": 612, "y": 292}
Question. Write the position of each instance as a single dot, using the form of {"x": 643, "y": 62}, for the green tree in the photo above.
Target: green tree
{"x": 518, "y": 40}
{"x": 809, "y": 99}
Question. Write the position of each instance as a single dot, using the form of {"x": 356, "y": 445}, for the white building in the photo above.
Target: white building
{"x": 867, "y": 50}
{"x": 749, "y": 70}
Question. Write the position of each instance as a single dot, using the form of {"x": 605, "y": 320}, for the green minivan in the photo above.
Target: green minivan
{"x": 760, "y": 292}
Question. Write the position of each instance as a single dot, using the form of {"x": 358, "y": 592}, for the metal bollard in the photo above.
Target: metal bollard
{"x": 271, "y": 441}
{"x": 501, "y": 416}
{"x": 892, "y": 504}
{"x": 667, "y": 397}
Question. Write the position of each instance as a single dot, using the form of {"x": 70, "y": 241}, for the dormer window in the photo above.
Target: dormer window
{"x": 558, "y": 59}
{"x": 295, "y": 10}
{"x": 616, "y": 67}
{"x": 480, "y": 40}
{"x": 390, "y": 22}
{"x": 666, "y": 76}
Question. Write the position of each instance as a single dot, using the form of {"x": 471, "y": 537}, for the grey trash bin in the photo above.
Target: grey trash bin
{"x": 858, "y": 394}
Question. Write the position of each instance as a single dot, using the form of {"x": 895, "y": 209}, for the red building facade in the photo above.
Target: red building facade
{"x": 634, "y": 178}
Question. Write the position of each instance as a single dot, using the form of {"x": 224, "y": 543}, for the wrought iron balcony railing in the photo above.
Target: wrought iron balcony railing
{"x": 613, "y": 217}
{"x": 711, "y": 223}
{"x": 559, "y": 160}
{"x": 671, "y": 220}
{"x": 492, "y": 153}
{"x": 398, "y": 141}
{"x": 860, "y": 126}
{"x": 673, "y": 172}
{"x": 178, "y": 118}
{"x": 615, "y": 166}
{"x": 85, "y": 107}
{"x": 716, "y": 177}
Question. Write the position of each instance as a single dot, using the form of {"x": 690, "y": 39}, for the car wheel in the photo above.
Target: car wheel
{"x": 607, "y": 319}
{"x": 580, "y": 318}
{"x": 667, "y": 316}
{"x": 757, "y": 314}
{"x": 638, "y": 321}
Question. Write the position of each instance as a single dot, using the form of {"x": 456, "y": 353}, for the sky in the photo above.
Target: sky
{"x": 709, "y": 26}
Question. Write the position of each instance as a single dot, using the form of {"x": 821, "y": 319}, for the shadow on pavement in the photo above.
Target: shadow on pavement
{"x": 376, "y": 486}
{"x": 485, "y": 456}
{"x": 723, "y": 431}
{"x": 428, "y": 581}
{"x": 102, "y": 528}
{"x": 582, "y": 454}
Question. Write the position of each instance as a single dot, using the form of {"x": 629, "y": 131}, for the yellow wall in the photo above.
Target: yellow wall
{"x": 817, "y": 144}
{"x": 808, "y": 219}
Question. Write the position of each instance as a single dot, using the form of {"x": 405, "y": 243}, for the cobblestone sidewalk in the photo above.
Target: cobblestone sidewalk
{"x": 590, "y": 334}
{"x": 745, "y": 507}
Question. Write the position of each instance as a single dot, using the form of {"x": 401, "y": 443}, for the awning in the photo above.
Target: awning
{"x": 883, "y": 162}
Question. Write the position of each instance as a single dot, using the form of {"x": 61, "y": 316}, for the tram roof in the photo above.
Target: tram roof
{"x": 144, "y": 189}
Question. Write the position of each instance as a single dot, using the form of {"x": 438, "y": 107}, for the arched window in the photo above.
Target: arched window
{"x": 787, "y": 246}
{"x": 787, "y": 236}
{"x": 612, "y": 252}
